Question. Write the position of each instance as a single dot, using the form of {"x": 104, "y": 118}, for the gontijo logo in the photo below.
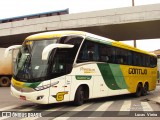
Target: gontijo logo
{"x": 60, "y": 95}
{"x": 137, "y": 71}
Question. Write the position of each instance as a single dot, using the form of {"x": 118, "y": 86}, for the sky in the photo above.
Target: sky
{"x": 14, "y": 8}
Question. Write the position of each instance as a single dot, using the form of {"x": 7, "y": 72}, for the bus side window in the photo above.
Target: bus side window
{"x": 147, "y": 61}
{"x": 104, "y": 53}
{"x": 130, "y": 60}
{"x": 71, "y": 40}
{"x": 88, "y": 52}
{"x": 153, "y": 62}
{"x": 119, "y": 56}
{"x": 135, "y": 59}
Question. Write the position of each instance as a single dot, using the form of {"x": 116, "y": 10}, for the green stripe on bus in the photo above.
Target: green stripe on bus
{"x": 118, "y": 75}
{"x": 32, "y": 85}
{"x": 112, "y": 76}
{"x": 108, "y": 76}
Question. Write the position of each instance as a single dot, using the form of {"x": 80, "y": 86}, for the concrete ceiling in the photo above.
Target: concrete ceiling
{"x": 130, "y": 23}
{"x": 119, "y": 32}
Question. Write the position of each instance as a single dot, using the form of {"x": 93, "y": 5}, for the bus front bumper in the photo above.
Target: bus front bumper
{"x": 40, "y": 97}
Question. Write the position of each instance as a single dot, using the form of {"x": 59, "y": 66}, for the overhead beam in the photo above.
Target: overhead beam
{"x": 138, "y": 22}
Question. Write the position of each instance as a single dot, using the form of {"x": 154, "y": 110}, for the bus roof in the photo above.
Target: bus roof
{"x": 53, "y": 34}
{"x": 96, "y": 38}
{"x": 116, "y": 43}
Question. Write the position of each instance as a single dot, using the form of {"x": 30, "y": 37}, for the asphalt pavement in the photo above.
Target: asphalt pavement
{"x": 157, "y": 97}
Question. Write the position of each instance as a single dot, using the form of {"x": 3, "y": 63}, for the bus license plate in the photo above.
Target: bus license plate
{"x": 22, "y": 97}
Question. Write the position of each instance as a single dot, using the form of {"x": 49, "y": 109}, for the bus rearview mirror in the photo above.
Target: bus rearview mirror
{"x": 46, "y": 51}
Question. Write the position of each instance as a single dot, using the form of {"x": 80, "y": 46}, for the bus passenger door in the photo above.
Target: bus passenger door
{"x": 57, "y": 90}
{"x": 67, "y": 88}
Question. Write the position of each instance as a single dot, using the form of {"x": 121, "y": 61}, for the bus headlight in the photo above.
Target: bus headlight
{"x": 45, "y": 86}
{"x": 42, "y": 87}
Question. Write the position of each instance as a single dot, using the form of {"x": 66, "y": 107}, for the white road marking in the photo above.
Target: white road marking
{"x": 102, "y": 107}
{"x": 146, "y": 106}
{"x": 80, "y": 108}
{"x": 125, "y": 109}
{"x": 8, "y": 107}
{"x": 126, "y": 106}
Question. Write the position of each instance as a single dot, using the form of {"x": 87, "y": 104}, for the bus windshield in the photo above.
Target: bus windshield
{"x": 29, "y": 64}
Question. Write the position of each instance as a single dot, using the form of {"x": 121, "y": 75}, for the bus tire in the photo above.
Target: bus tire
{"x": 145, "y": 89}
{"x": 5, "y": 82}
{"x": 79, "y": 96}
{"x": 139, "y": 90}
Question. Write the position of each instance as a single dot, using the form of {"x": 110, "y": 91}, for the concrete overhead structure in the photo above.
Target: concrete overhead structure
{"x": 138, "y": 22}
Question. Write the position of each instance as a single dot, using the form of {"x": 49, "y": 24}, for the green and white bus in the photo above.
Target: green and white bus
{"x": 61, "y": 66}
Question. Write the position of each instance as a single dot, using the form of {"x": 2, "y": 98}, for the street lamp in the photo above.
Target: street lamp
{"x": 134, "y": 40}
{"x": 132, "y": 2}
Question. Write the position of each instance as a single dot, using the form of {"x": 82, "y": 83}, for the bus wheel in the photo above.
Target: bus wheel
{"x": 5, "y": 82}
{"x": 79, "y": 97}
{"x": 139, "y": 90}
{"x": 145, "y": 89}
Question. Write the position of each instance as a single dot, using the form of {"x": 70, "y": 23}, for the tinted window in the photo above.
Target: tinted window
{"x": 92, "y": 51}
{"x": 88, "y": 52}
